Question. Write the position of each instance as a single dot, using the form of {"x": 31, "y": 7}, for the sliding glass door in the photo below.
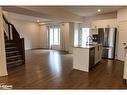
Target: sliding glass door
{"x": 54, "y": 37}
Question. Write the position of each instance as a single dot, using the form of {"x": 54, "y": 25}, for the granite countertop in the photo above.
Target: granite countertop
{"x": 87, "y": 47}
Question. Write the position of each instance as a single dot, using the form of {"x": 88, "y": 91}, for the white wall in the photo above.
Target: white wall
{"x": 43, "y": 37}
{"x": 64, "y": 29}
{"x": 3, "y": 68}
{"x": 29, "y": 31}
{"x": 71, "y": 37}
{"x": 122, "y": 23}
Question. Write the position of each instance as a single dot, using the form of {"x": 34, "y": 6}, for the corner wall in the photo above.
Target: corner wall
{"x": 122, "y": 23}
{"x": 3, "y": 68}
{"x": 43, "y": 37}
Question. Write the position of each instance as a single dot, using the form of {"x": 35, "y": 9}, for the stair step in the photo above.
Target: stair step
{"x": 10, "y": 44}
{"x": 17, "y": 61}
{"x": 10, "y": 41}
{"x": 11, "y": 49}
{"x": 14, "y": 63}
{"x": 15, "y": 56}
{"x": 12, "y": 53}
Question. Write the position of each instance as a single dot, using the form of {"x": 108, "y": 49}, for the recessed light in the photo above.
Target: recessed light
{"x": 99, "y": 10}
{"x": 38, "y": 21}
{"x": 42, "y": 23}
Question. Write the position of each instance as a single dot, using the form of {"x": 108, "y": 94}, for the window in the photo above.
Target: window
{"x": 80, "y": 36}
{"x": 85, "y": 34}
{"x": 54, "y": 34}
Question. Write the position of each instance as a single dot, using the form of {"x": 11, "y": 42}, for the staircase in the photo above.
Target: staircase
{"x": 14, "y": 45}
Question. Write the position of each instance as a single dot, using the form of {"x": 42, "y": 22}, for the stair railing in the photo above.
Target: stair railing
{"x": 14, "y": 36}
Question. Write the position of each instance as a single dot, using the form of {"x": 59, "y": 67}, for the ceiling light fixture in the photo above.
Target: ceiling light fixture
{"x": 99, "y": 10}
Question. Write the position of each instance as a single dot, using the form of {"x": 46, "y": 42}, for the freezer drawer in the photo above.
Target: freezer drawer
{"x": 108, "y": 52}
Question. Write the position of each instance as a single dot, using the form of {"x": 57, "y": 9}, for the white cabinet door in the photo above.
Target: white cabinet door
{"x": 98, "y": 51}
{"x": 96, "y": 54}
{"x": 94, "y": 31}
{"x": 125, "y": 67}
{"x": 122, "y": 38}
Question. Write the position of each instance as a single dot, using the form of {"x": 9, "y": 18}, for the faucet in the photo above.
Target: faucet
{"x": 89, "y": 40}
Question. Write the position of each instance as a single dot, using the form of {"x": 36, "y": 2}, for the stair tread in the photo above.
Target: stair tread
{"x": 10, "y": 47}
{"x": 15, "y": 51}
{"x": 9, "y": 44}
{"x": 17, "y": 61}
{"x": 14, "y": 56}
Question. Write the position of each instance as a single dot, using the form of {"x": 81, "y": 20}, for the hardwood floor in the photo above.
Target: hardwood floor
{"x": 46, "y": 69}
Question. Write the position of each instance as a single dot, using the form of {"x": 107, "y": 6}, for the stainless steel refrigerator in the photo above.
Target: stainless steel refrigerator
{"x": 107, "y": 37}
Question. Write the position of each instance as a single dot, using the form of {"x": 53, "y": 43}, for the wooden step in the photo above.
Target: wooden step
{"x": 13, "y": 58}
{"x": 10, "y": 44}
{"x": 11, "y": 53}
{"x": 11, "y": 49}
{"x": 14, "y": 63}
{"x": 9, "y": 41}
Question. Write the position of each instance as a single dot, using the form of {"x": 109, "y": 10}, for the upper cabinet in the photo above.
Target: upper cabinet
{"x": 94, "y": 31}
{"x": 104, "y": 23}
{"x": 122, "y": 14}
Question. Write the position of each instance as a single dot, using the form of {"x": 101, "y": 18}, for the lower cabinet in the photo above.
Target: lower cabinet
{"x": 91, "y": 57}
{"x": 94, "y": 55}
{"x": 98, "y": 53}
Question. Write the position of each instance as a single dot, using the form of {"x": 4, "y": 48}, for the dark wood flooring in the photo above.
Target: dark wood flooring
{"x": 46, "y": 69}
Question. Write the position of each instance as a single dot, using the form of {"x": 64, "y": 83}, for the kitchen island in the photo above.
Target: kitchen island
{"x": 86, "y": 57}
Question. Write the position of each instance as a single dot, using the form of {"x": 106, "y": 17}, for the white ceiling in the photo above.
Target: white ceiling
{"x": 26, "y": 17}
{"x": 77, "y": 10}
{"x": 90, "y": 10}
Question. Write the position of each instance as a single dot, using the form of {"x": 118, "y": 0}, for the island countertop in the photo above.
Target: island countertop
{"x": 87, "y": 46}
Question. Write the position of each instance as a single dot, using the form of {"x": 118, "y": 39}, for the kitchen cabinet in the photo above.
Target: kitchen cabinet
{"x": 94, "y": 31}
{"x": 91, "y": 57}
{"x": 125, "y": 67}
{"x": 98, "y": 53}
